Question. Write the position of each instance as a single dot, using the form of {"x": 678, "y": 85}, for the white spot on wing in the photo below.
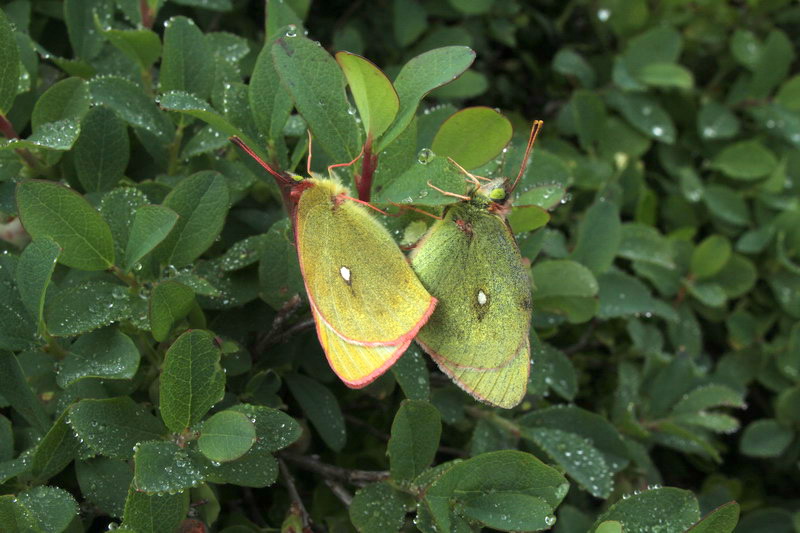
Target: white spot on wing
{"x": 345, "y": 272}
{"x": 481, "y": 297}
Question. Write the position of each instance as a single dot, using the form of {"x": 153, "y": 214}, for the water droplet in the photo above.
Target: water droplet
{"x": 603, "y": 14}
{"x": 425, "y": 156}
{"x": 291, "y": 31}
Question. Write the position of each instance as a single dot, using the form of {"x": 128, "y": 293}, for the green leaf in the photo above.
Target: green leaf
{"x": 609, "y": 526}
{"x": 170, "y": 301}
{"x": 746, "y": 48}
{"x": 411, "y": 186}
{"x": 723, "y": 519}
{"x": 106, "y": 353}
{"x": 599, "y": 235}
{"x": 15, "y": 389}
{"x": 377, "y": 508}
{"x": 565, "y": 288}
{"x": 192, "y": 380}
{"x": 500, "y": 473}
{"x": 668, "y": 509}
{"x": 570, "y": 63}
{"x": 201, "y": 202}
{"x": 190, "y": 104}
{"x": 640, "y": 242}
{"x": 151, "y": 225}
{"x": 645, "y": 114}
{"x": 243, "y": 253}
{"x": 226, "y": 436}
{"x": 141, "y": 45}
{"x": 112, "y": 427}
{"x": 321, "y": 407}
{"x": 591, "y": 426}
{"x": 34, "y": 270}
{"x": 66, "y": 99}
{"x": 55, "y": 451}
{"x": 666, "y": 75}
{"x": 154, "y": 513}
{"x": 279, "y": 271}
{"x": 661, "y": 44}
{"x": 51, "y": 508}
{"x": 727, "y": 205}
{"x": 87, "y": 306}
{"x": 420, "y": 76}
{"x": 17, "y": 328}
{"x": 59, "y": 135}
{"x": 409, "y": 20}
{"x": 257, "y": 468}
{"x": 527, "y": 218}
{"x": 577, "y": 456}
{"x": 104, "y": 482}
{"x": 416, "y": 430}
{"x": 133, "y": 106}
{"x": 373, "y": 93}
{"x": 101, "y": 152}
{"x": 9, "y": 64}
{"x": 270, "y": 102}
{"x": 623, "y": 295}
{"x": 715, "y": 121}
{"x": 317, "y": 84}
{"x": 774, "y": 62}
{"x": 472, "y": 136}
{"x": 546, "y": 196}
{"x": 789, "y": 94}
{"x": 412, "y": 374}
{"x": 587, "y": 114}
{"x": 707, "y": 396}
{"x": 765, "y": 438}
{"x": 79, "y": 17}
{"x": 509, "y": 512}
{"x": 54, "y": 211}
{"x": 710, "y": 256}
{"x": 164, "y": 467}
{"x": 745, "y": 160}
{"x": 186, "y": 61}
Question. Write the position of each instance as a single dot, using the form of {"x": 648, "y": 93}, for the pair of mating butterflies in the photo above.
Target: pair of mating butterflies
{"x": 465, "y": 296}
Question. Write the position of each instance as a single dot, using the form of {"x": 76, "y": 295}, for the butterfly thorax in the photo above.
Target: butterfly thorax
{"x": 492, "y": 196}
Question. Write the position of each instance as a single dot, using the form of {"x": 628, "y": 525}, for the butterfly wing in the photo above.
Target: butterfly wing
{"x": 503, "y": 387}
{"x": 470, "y": 262}
{"x": 367, "y": 302}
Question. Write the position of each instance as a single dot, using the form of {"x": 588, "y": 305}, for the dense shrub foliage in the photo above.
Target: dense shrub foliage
{"x": 158, "y": 364}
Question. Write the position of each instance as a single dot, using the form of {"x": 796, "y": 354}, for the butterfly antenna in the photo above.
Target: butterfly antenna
{"x": 337, "y": 165}
{"x": 472, "y": 178}
{"x": 241, "y": 144}
{"x": 362, "y": 202}
{"x": 537, "y": 125}
{"x": 420, "y": 211}
{"x": 447, "y": 193}
{"x": 308, "y": 160}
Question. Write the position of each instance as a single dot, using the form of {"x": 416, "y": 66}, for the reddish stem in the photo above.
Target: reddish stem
{"x": 9, "y": 132}
{"x": 7, "y": 128}
{"x": 147, "y": 14}
{"x": 368, "y": 166}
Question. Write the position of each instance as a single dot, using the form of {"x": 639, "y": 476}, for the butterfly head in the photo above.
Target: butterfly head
{"x": 492, "y": 194}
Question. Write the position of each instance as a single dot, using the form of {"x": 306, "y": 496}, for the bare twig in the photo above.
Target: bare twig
{"x": 339, "y": 491}
{"x": 294, "y": 495}
{"x": 275, "y": 335}
{"x": 583, "y": 341}
{"x": 255, "y": 513}
{"x": 313, "y": 464}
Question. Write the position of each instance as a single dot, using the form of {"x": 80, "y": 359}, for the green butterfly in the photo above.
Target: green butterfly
{"x": 470, "y": 262}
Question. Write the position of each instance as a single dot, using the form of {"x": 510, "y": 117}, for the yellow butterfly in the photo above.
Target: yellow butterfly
{"x": 367, "y": 303}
